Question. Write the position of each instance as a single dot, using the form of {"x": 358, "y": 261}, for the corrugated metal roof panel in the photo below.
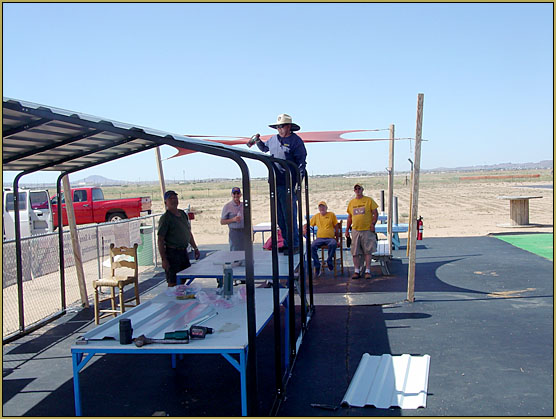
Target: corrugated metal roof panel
{"x": 389, "y": 381}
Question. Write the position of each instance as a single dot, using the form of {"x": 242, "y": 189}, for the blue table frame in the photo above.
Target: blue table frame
{"x": 166, "y": 310}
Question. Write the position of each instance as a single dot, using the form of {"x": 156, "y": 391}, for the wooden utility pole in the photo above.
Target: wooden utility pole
{"x": 160, "y": 173}
{"x": 415, "y": 201}
{"x": 75, "y": 241}
{"x": 410, "y": 206}
{"x": 390, "y": 190}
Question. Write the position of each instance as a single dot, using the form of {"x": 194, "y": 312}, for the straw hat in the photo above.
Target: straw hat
{"x": 285, "y": 119}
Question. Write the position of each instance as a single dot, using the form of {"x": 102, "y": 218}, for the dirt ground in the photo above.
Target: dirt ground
{"x": 448, "y": 209}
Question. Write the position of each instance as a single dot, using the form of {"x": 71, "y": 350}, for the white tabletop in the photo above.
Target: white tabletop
{"x": 213, "y": 265}
{"x": 165, "y": 313}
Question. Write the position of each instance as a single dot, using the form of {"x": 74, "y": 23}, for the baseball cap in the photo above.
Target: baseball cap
{"x": 322, "y": 203}
{"x": 358, "y": 185}
{"x": 168, "y": 194}
{"x": 235, "y": 189}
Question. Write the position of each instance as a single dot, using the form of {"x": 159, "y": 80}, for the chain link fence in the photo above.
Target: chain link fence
{"x": 43, "y": 293}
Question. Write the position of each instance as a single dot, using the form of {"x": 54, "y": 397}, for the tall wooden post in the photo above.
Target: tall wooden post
{"x": 390, "y": 190}
{"x": 415, "y": 206}
{"x": 75, "y": 241}
{"x": 410, "y": 206}
{"x": 160, "y": 173}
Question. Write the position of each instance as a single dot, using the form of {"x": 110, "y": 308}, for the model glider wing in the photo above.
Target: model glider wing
{"x": 308, "y": 137}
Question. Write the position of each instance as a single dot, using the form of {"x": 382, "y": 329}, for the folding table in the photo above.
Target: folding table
{"x": 166, "y": 313}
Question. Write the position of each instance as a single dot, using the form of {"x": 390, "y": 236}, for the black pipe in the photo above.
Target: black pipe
{"x": 266, "y": 160}
{"x": 19, "y": 264}
{"x": 61, "y": 238}
{"x": 309, "y": 259}
{"x": 301, "y": 258}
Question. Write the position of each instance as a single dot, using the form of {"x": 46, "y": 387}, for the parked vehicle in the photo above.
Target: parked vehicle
{"x": 35, "y": 213}
{"x": 90, "y": 206}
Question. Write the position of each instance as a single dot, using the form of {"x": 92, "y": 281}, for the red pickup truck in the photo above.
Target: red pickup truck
{"x": 90, "y": 207}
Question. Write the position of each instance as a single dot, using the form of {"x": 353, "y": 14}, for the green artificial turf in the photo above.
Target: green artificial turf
{"x": 539, "y": 244}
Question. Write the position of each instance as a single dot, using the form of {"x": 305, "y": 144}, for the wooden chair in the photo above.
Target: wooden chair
{"x": 118, "y": 281}
{"x": 339, "y": 248}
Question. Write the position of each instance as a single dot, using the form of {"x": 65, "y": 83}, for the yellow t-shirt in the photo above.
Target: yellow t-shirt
{"x": 325, "y": 224}
{"x": 361, "y": 211}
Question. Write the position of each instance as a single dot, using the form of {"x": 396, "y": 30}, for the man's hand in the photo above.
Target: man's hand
{"x": 197, "y": 254}
{"x": 372, "y": 227}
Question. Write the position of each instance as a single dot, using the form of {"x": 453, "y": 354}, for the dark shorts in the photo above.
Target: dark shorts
{"x": 178, "y": 260}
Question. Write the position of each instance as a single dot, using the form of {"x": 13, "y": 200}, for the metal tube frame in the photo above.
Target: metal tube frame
{"x": 195, "y": 145}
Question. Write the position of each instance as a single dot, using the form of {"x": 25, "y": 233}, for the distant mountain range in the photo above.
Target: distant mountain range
{"x": 96, "y": 180}
{"x": 544, "y": 164}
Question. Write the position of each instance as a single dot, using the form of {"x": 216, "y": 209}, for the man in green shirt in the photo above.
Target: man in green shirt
{"x": 174, "y": 236}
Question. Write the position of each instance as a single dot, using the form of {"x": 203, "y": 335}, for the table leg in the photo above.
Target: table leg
{"x": 286, "y": 335}
{"x": 76, "y": 359}
{"x": 243, "y": 378}
{"x": 396, "y": 241}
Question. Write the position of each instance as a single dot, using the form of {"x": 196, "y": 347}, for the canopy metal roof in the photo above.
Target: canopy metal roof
{"x": 37, "y": 137}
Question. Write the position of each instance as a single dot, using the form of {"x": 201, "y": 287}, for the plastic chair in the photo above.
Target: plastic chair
{"x": 339, "y": 248}
{"x": 119, "y": 261}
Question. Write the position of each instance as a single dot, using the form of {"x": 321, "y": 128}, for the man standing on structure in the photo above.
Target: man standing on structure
{"x": 289, "y": 146}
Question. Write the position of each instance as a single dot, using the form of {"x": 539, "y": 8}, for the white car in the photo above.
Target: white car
{"x": 35, "y": 212}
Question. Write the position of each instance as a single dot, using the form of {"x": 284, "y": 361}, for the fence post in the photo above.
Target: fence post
{"x": 98, "y": 254}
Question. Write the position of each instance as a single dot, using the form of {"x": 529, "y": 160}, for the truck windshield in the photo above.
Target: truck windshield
{"x": 39, "y": 200}
{"x": 10, "y": 201}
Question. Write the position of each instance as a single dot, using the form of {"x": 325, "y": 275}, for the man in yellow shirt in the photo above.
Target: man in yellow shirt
{"x": 328, "y": 234}
{"x": 362, "y": 216}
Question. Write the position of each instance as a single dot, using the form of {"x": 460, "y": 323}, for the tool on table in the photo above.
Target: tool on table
{"x": 85, "y": 341}
{"x": 126, "y": 331}
{"x": 199, "y": 332}
{"x": 143, "y": 340}
{"x": 178, "y": 334}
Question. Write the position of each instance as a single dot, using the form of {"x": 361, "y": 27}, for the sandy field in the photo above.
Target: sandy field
{"x": 450, "y": 207}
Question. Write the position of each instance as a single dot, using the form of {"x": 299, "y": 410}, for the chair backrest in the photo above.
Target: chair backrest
{"x": 341, "y": 234}
{"x": 123, "y": 261}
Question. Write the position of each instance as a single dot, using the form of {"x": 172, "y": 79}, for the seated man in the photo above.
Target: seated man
{"x": 327, "y": 235}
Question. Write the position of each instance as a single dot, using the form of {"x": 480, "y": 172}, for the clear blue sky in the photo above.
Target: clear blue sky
{"x": 486, "y": 71}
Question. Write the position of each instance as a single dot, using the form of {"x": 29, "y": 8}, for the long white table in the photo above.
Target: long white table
{"x": 165, "y": 313}
{"x": 212, "y": 265}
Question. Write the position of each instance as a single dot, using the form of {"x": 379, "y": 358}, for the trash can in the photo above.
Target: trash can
{"x": 145, "y": 249}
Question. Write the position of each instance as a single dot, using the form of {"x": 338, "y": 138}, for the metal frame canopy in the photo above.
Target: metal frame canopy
{"x": 37, "y": 137}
